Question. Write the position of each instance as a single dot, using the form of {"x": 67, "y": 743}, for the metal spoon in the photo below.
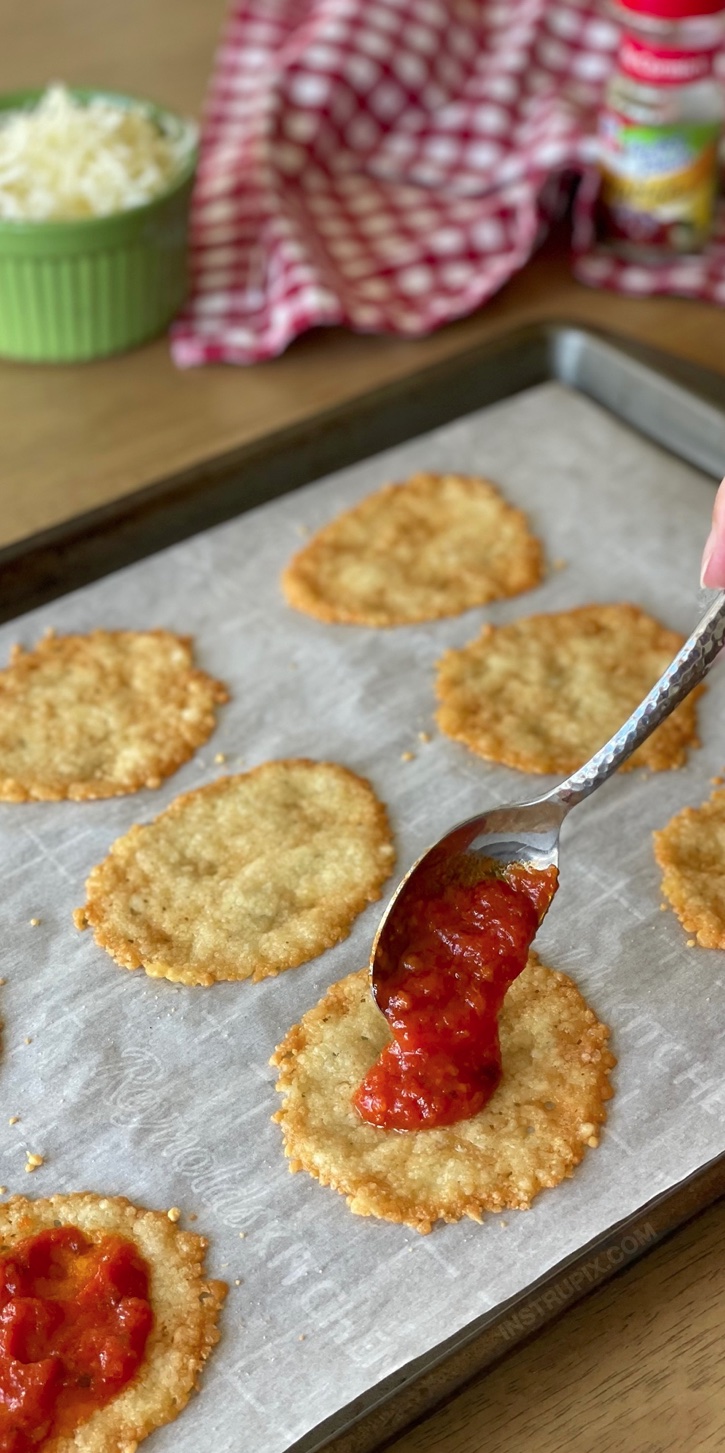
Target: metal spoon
{"x": 528, "y": 832}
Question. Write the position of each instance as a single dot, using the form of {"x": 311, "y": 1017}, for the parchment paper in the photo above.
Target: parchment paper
{"x": 164, "y": 1093}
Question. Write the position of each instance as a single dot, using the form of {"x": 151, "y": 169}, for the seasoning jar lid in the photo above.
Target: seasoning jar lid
{"x": 673, "y": 9}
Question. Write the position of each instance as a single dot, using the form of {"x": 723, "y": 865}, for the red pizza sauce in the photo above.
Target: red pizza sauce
{"x": 74, "y": 1319}
{"x": 462, "y": 950}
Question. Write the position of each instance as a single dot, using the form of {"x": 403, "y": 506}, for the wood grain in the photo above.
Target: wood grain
{"x": 638, "y": 1368}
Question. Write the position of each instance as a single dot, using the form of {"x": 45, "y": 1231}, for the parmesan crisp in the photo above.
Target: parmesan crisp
{"x": 545, "y": 692}
{"x": 185, "y": 1307}
{"x": 243, "y": 878}
{"x": 433, "y": 546}
{"x": 534, "y": 1130}
{"x": 690, "y": 850}
{"x": 101, "y": 715}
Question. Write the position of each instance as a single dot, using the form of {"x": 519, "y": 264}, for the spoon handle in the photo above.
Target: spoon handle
{"x": 689, "y": 666}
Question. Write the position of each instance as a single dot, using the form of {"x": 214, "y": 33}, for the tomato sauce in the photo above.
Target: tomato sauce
{"x": 463, "y": 948}
{"x": 74, "y": 1320}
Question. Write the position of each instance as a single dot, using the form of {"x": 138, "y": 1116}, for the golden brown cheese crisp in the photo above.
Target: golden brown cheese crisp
{"x": 544, "y": 693}
{"x": 185, "y": 1307}
{"x": 532, "y": 1133}
{"x": 434, "y": 546}
{"x": 101, "y": 715}
{"x": 691, "y": 853}
{"x": 243, "y": 878}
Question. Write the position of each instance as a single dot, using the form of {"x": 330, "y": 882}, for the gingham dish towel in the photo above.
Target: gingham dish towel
{"x": 389, "y": 164}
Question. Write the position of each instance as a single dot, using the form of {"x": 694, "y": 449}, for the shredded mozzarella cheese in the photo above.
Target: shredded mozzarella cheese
{"x": 67, "y": 158}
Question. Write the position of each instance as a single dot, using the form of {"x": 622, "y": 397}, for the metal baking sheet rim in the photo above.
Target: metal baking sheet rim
{"x": 417, "y": 1390}
{"x": 678, "y": 405}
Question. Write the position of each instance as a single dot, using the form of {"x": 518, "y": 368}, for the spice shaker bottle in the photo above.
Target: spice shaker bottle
{"x": 659, "y": 129}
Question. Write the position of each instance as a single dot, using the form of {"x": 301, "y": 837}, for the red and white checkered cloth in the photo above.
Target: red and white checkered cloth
{"x": 389, "y": 164}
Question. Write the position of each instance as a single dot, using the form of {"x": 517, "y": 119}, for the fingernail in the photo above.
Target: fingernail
{"x": 706, "y": 559}
{"x": 712, "y": 573}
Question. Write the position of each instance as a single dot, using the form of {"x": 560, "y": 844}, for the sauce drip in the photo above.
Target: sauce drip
{"x": 463, "y": 949}
{"x": 74, "y": 1320}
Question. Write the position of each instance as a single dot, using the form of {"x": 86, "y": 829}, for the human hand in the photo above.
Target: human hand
{"x": 712, "y": 572}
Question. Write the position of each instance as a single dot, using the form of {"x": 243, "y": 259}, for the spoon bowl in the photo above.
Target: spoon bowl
{"x": 525, "y": 833}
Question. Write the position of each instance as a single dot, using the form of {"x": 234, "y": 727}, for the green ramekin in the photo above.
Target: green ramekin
{"x": 81, "y": 289}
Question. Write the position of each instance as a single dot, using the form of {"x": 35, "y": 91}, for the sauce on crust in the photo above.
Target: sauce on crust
{"x": 462, "y": 951}
{"x": 75, "y": 1317}
{"x": 185, "y": 1305}
{"x": 548, "y": 1108}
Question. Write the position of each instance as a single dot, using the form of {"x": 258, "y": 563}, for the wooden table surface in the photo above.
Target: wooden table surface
{"x": 638, "y": 1367}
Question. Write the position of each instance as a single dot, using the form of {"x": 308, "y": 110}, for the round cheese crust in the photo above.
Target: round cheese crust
{"x": 101, "y": 715}
{"x": 243, "y": 878}
{"x": 185, "y": 1307}
{"x": 545, "y": 692}
{"x": 431, "y": 547}
{"x": 690, "y": 850}
{"x": 531, "y": 1134}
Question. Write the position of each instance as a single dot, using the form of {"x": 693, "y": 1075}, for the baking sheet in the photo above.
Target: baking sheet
{"x": 164, "y": 1093}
